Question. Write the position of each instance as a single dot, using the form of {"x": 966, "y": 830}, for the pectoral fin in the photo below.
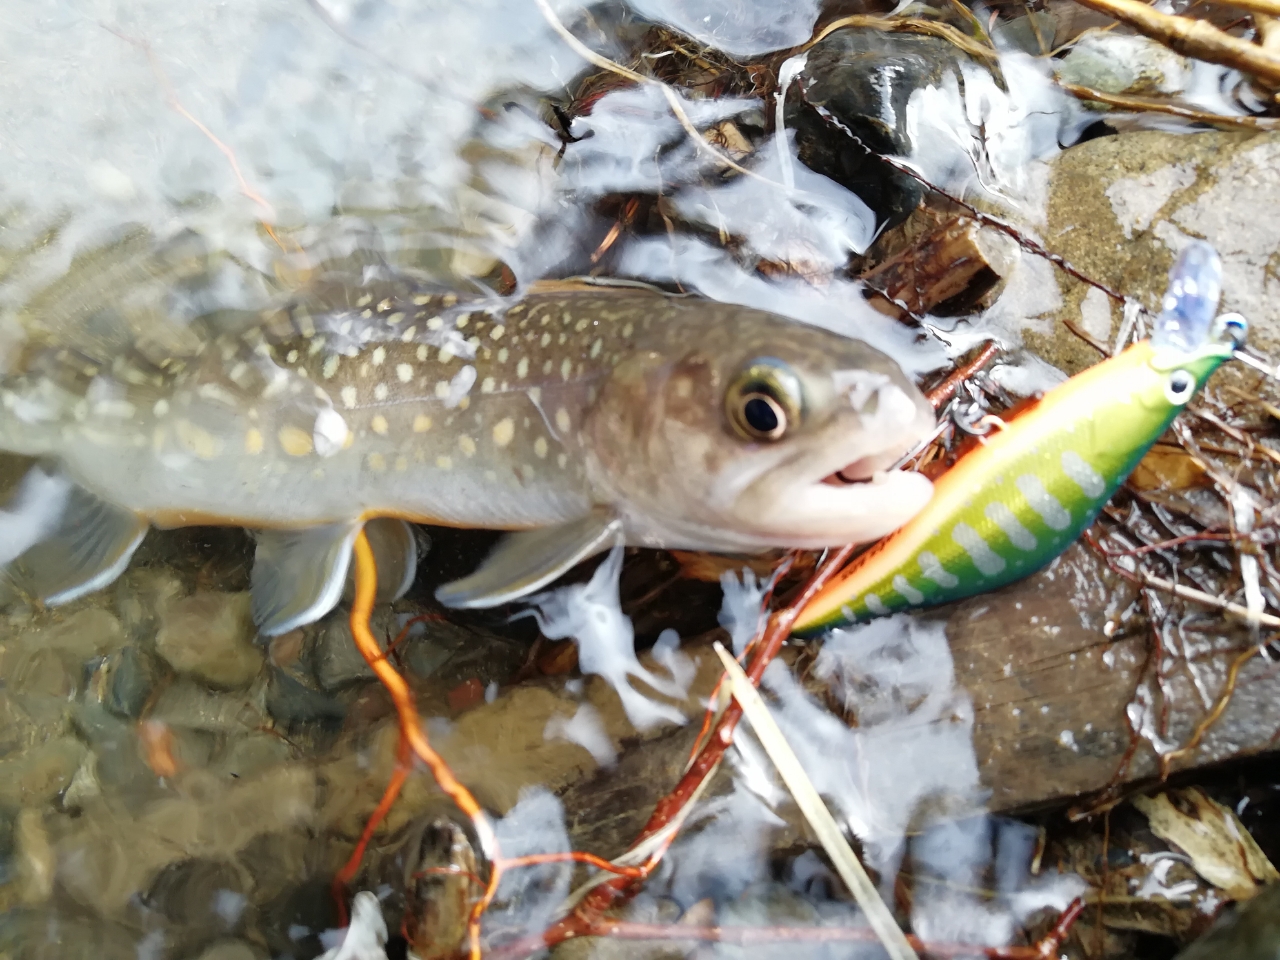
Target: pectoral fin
{"x": 298, "y": 574}
{"x": 529, "y": 560}
{"x": 71, "y": 542}
{"x": 395, "y": 551}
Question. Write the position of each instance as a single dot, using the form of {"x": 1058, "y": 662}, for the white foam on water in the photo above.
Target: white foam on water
{"x": 366, "y": 936}
{"x": 592, "y": 615}
{"x": 528, "y": 897}
{"x": 586, "y": 729}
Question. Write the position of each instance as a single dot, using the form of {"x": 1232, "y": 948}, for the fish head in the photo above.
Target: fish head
{"x": 770, "y": 434}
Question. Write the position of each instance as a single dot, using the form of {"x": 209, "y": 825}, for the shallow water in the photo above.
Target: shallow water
{"x": 169, "y": 788}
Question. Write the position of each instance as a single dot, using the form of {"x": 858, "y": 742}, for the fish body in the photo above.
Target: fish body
{"x": 582, "y": 416}
{"x": 1015, "y": 502}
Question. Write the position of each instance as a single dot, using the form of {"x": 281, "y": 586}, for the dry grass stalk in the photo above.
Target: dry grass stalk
{"x": 1148, "y": 105}
{"x": 929, "y": 28}
{"x": 815, "y": 811}
{"x": 1193, "y": 38}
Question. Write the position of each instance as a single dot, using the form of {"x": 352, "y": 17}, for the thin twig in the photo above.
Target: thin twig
{"x": 1208, "y": 599}
{"x": 1150, "y": 105}
{"x": 815, "y": 811}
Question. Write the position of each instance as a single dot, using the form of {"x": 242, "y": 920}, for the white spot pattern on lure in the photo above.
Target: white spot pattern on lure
{"x": 1084, "y": 476}
{"x": 1003, "y": 517}
{"x": 1046, "y": 506}
{"x": 931, "y": 569}
{"x": 875, "y": 604}
{"x": 906, "y": 590}
{"x": 988, "y": 562}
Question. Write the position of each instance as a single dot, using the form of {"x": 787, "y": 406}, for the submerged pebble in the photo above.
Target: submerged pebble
{"x": 209, "y": 636}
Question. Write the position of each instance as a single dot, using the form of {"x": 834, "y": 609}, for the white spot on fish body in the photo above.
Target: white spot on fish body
{"x": 460, "y": 386}
{"x": 932, "y": 569}
{"x": 380, "y": 391}
{"x": 329, "y": 433}
{"x": 1084, "y": 476}
{"x": 409, "y": 333}
{"x": 563, "y": 422}
{"x": 421, "y": 423}
{"x": 330, "y": 366}
{"x": 467, "y": 445}
{"x": 487, "y": 385}
{"x": 444, "y": 463}
{"x": 161, "y": 408}
{"x": 1003, "y": 517}
{"x": 422, "y": 351}
{"x": 1046, "y": 506}
{"x": 522, "y": 368}
{"x": 378, "y": 424}
{"x": 434, "y": 323}
{"x": 396, "y": 318}
{"x": 546, "y": 339}
{"x": 540, "y": 447}
{"x": 906, "y": 590}
{"x": 502, "y": 355}
{"x": 349, "y": 396}
{"x": 497, "y": 332}
{"x": 988, "y": 562}
{"x": 404, "y": 372}
{"x": 446, "y": 353}
{"x": 565, "y": 368}
{"x": 294, "y": 442}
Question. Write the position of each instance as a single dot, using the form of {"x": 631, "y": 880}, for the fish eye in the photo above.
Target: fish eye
{"x": 1179, "y": 387}
{"x": 764, "y": 400}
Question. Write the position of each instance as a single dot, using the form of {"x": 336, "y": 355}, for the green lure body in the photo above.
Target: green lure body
{"x": 1013, "y": 504}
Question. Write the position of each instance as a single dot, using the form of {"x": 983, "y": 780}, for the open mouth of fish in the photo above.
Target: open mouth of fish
{"x": 862, "y": 470}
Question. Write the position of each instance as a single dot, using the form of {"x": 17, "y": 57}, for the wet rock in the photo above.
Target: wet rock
{"x": 124, "y": 681}
{"x": 210, "y": 636}
{"x": 201, "y": 899}
{"x": 294, "y": 921}
{"x": 111, "y": 857}
{"x": 289, "y": 702}
{"x": 186, "y": 703}
{"x": 439, "y": 643}
{"x": 1121, "y": 207}
{"x": 34, "y": 855}
{"x": 118, "y": 762}
{"x": 41, "y": 774}
{"x": 335, "y": 660}
{"x": 252, "y": 755}
{"x": 44, "y": 934}
{"x": 864, "y": 79}
{"x": 1250, "y": 932}
{"x": 1120, "y": 63}
{"x": 84, "y": 634}
{"x": 141, "y": 594}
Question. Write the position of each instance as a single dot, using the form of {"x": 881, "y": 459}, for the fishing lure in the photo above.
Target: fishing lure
{"x": 1016, "y": 502}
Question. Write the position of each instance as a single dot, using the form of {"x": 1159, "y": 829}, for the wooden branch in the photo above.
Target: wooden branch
{"x": 1193, "y": 38}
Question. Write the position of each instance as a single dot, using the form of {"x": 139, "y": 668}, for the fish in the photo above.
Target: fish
{"x": 1019, "y": 499}
{"x": 576, "y": 418}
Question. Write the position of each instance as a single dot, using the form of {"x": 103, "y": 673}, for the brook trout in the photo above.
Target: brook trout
{"x": 580, "y": 417}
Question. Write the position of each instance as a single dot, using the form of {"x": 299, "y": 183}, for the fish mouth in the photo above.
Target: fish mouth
{"x": 849, "y": 496}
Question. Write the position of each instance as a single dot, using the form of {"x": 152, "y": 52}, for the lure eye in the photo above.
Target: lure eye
{"x": 764, "y": 401}
{"x": 1233, "y": 327}
{"x": 1179, "y": 387}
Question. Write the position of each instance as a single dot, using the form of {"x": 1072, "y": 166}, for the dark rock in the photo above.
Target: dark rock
{"x": 860, "y": 77}
{"x": 126, "y": 680}
{"x": 289, "y": 702}
{"x": 1250, "y": 932}
{"x": 201, "y": 899}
